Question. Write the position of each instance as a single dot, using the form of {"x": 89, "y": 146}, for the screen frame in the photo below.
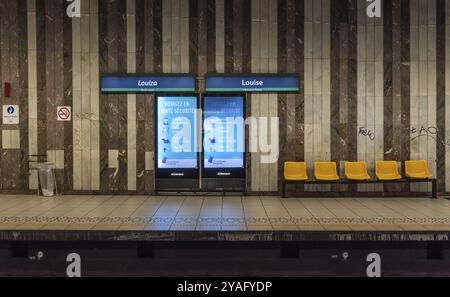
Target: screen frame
{"x": 213, "y": 172}
{"x": 166, "y": 173}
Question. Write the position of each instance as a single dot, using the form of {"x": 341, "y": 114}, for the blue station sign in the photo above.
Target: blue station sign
{"x": 147, "y": 83}
{"x": 256, "y": 83}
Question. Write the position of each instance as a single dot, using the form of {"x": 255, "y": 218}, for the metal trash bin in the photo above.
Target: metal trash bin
{"x": 47, "y": 180}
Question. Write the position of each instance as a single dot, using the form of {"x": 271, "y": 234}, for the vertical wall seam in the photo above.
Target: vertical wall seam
{"x": 32, "y": 87}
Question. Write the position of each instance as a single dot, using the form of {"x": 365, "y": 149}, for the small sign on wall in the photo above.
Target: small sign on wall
{"x": 10, "y": 114}
{"x": 64, "y": 114}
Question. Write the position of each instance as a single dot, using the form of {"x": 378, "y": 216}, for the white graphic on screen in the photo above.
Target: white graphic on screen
{"x": 177, "y": 119}
{"x": 223, "y": 132}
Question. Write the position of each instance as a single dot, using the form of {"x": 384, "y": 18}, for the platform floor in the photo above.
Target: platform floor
{"x": 131, "y": 213}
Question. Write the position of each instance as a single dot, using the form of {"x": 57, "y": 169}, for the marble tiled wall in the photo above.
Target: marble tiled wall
{"x": 175, "y": 35}
{"x": 13, "y": 69}
{"x": 113, "y": 108}
{"x": 264, "y": 53}
{"x": 317, "y": 65}
{"x": 423, "y": 80}
{"x": 149, "y": 59}
{"x": 343, "y": 113}
{"x": 443, "y": 115}
{"x": 291, "y": 29}
{"x": 85, "y": 106}
{"x": 370, "y": 88}
{"x": 369, "y": 91}
{"x": 32, "y": 88}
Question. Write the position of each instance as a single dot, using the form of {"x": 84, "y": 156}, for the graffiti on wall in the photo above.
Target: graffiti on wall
{"x": 363, "y": 131}
{"x": 416, "y": 133}
{"x": 429, "y": 132}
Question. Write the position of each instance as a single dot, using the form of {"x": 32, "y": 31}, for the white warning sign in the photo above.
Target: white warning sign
{"x": 64, "y": 113}
{"x": 10, "y": 114}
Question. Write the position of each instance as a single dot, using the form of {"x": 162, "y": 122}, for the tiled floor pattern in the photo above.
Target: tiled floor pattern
{"x": 19, "y": 212}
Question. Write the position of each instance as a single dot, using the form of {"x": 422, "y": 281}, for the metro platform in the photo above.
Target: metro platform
{"x": 222, "y": 218}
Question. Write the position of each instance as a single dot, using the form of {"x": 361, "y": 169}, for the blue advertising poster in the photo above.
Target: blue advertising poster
{"x": 223, "y": 142}
{"x": 147, "y": 84}
{"x": 177, "y": 132}
{"x": 259, "y": 83}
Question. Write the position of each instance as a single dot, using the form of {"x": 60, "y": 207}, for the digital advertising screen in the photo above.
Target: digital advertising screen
{"x": 224, "y": 129}
{"x": 177, "y": 133}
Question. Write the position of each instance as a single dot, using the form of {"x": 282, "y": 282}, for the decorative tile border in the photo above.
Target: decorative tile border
{"x": 221, "y": 221}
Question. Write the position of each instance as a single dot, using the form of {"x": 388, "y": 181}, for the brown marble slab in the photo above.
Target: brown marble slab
{"x": 23, "y": 92}
{"x": 143, "y": 22}
{"x": 58, "y": 99}
{"x": 396, "y": 85}
{"x": 298, "y": 58}
{"x": 50, "y": 75}
{"x": 352, "y": 132}
{"x": 3, "y": 36}
{"x": 4, "y": 66}
{"x": 237, "y": 35}
{"x": 202, "y": 44}
{"x": 282, "y": 68}
{"x": 290, "y": 60}
{"x": 68, "y": 101}
{"x": 41, "y": 32}
{"x": 344, "y": 83}
{"x": 246, "y": 50}
{"x": 157, "y": 35}
{"x": 10, "y": 170}
{"x": 113, "y": 121}
{"x": 228, "y": 35}
{"x": 149, "y": 60}
{"x": 121, "y": 35}
{"x": 388, "y": 137}
{"x": 156, "y": 50}
{"x": 405, "y": 73}
{"x": 150, "y": 141}
{"x": 334, "y": 85}
{"x": 246, "y": 67}
{"x": 248, "y": 155}
{"x": 13, "y": 52}
{"x": 440, "y": 93}
{"x": 103, "y": 108}
{"x": 145, "y": 63}
{"x": 193, "y": 35}
{"x": 211, "y": 36}
{"x": 10, "y": 157}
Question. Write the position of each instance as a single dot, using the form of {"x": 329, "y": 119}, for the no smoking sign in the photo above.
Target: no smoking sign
{"x": 64, "y": 113}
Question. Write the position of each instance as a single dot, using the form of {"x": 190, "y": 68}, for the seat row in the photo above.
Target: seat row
{"x": 357, "y": 171}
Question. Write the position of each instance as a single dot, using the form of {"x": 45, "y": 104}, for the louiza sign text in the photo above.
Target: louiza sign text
{"x": 147, "y": 84}
{"x": 250, "y": 83}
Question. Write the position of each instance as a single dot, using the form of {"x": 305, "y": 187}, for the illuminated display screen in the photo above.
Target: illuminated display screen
{"x": 177, "y": 132}
{"x": 223, "y": 142}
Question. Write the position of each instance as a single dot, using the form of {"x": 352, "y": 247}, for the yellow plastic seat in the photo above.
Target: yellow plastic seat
{"x": 417, "y": 169}
{"x": 356, "y": 171}
{"x": 326, "y": 171}
{"x": 387, "y": 170}
{"x": 295, "y": 171}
